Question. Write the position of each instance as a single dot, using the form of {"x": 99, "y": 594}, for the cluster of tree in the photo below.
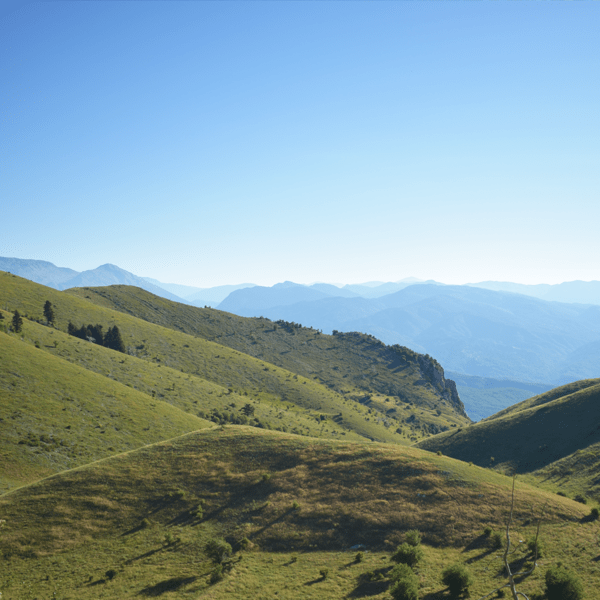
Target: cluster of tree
{"x": 93, "y": 333}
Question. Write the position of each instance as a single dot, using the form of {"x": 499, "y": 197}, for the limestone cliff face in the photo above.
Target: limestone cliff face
{"x": 434, "y": 373}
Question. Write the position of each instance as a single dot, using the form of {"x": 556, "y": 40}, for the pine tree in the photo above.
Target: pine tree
{"x": 48, "y": 312}
{"x": 17, "y": 321}
{"x": 113, "y": 340}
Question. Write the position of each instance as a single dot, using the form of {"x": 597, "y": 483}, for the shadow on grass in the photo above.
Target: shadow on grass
{"x": 313, "y": 581}
{"x": 169, "y": 585}
{"x": 145, "y": 555}
{"x": 371, "y": 584}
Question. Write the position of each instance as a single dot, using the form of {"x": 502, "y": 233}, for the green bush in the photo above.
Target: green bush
{"x": 407, "y": 554}
{"x": 244, "y": 543}
{"x": 324, "y": 573}
{"x": 594, "y": 514}
{"x": 405, "y": 583}
{"x": 497, "y": 540}
{"x": 532, "y": 545}
{"x": 111, "y": 574}
{"x": 412, "y": 537}
{"x": 359, "y": 557}
{"x": 217, "y": 550}
{"x": 562, "y": 585}
{"x": 216, "y": 574}
{"x": 458, "y": 579}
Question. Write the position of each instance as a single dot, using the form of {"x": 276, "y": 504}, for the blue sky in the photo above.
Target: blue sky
{"x": 209, "y": 143}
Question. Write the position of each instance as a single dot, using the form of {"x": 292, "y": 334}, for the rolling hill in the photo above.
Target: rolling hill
{"x": 137, "y": 524}
{"x": 544, "y": 436}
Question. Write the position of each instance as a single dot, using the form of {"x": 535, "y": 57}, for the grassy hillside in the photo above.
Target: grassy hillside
{"x": 351, "y": 363}
{"x": 301, "y": 503}
{"x": 55, "y": 415}
{"x": 560, "y": 425}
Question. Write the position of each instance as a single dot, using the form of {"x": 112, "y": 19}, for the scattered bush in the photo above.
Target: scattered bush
{"x": 244, "y": 543}
{"x": 594, "y": 514}
{"x": 217, "y": 550}
{"x": 295, "y": 505}
{"x": 497, "y": 540}
{"x": 412, "y": 537}
{"x": 458, "y": 579}
{"x": 405, "y": 584}
{"x": 216, "y": 575}
{"x": 110, "y": 574}
{"x": 359, "y": 557}
{"x": 146, "y": 524}
{"x": 266, "y": 477}
{"x": 532, "y": 546}
{"x": 169, "y": 539}
{"x": 487, "y": 532}
{"x": 580, "y": 498}
{"x": 324, "y": 573}
{"x": 407, "y": 554}
{"x": 562, "y": 585}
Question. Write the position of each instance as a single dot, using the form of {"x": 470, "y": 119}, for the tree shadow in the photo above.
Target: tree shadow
{"x": 371, "y": 583}
{"x": 313, "y": 581}
{"x": 169, "y": 585}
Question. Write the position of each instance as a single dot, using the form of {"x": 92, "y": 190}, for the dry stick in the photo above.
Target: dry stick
{"x": 511, "y": 576}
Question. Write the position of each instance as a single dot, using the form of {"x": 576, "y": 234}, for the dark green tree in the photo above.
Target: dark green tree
{"x": 49, "y": 312}
{"x": 562, "y": 585}
{"x": 405, "y": 584}
{"x": 248, "y": 409}
{"x": 17, "y": 321}
{"x": 113, "y": 339}
{"x": 458, "y": 580}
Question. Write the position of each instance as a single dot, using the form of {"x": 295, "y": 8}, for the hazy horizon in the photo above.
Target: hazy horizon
{"x": 205, "y": 143}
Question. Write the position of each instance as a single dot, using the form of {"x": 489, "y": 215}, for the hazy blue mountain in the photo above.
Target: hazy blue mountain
{"x": 467, "y": 329}
{"x": 583, "y": 292}
{"x": 39, "y": 271}
{"x": 253, "y": 301}
{"x": 112, "y": 275}
{"x": 333, "y": 290}
{"x": 377, "y": 289}
{"x": 215, "y": 295}
{"x": 199, "y": 296}
{"x": 484, "y": 396}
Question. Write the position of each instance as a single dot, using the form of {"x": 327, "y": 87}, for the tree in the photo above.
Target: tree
{"x": 562, "y": 585}
{"x": 248, "y": 409}
{"x": 48, "y": 312}
{"x": 458, "y": 579}
{"x": 407, "y": 554}
{"x": 217, "y": 550}
{"x": 405, "y": 584}
{"x": 17, "y": 321}
{"x": 113, "y": 340}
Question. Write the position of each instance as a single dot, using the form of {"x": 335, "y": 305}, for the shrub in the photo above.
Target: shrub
{"x": 217, "y": 550}
{"x": 413, "y": 537}
{"x": 111, "y": 574}
{"x": 146, "y": 524}
{"x": 244, "y": 543}
{"x": 324, "y": 573}
{"x": 487, "y": 532}
{"x": 407, "y": 554}
{"x": 359, "y": 557}
{"x": 216, "y": 575}
{"x": 405, "y": 583}
{"x": 266, "y": 477}
{"x": 497, "y": 541}
{"x": 594, "y": 514}
{"x": 457, "y": 578}
{"x": 532, "y": 546}
{"x": 295, "y": 505}
{"x": 580, "y": 498}
{"x": 562, "y": 585}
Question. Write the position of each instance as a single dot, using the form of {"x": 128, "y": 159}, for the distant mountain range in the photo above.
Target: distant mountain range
{"x": 470, "y": 330}
{"x": 495, "y": 330}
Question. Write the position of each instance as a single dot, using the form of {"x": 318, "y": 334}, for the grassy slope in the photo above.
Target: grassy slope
{"x": 63, "y": 533}
{"x": 534, "y": 435}
{"x": 377, "y": 419}
{"x": 55, "y": 415}
{"x": 353, "y": 363}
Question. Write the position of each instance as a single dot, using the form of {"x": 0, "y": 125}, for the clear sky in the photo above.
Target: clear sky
{"x": 207, "y": 143}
